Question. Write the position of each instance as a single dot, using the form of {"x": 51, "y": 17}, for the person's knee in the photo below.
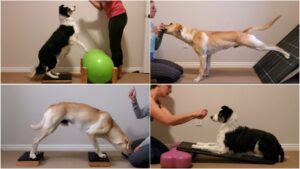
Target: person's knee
{"x": 139, "y": 162}
{"x": 170, "y": 78}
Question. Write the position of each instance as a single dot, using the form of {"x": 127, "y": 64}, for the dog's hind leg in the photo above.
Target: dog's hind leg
{"x": 252, "y": 42}
{"x": 38, "y": 139}
{"x": 49, "y": 125}
{"x": 96, "y": 146}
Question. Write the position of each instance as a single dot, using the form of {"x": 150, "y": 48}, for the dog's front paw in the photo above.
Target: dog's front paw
{"x": 197, "y": 80}
{"x": 32, "y": 155}
{"x": 102, "y": 155}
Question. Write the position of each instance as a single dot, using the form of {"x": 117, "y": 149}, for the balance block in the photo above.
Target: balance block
{"x": 26, "y": 161}
{"x": 62, "y": 78}
{"x": 96, "y": 161}
{"x": 175, "y": 159}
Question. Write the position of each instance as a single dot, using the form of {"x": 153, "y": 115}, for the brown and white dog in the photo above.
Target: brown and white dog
{"x": 94, "y": 122}
{"x": 206, "y": 43}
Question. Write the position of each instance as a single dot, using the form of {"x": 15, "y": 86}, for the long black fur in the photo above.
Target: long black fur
{"x": 243, "y": 139}
{"x": 52, "y": 48}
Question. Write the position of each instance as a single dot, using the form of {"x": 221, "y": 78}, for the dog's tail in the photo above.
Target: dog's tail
{"x": 262, "y": 27}
{"x": 281, "y": 155}
{"x": 39, "y": 125}
{"x": 40, "y": 69}
{"x": 37, "y": 73}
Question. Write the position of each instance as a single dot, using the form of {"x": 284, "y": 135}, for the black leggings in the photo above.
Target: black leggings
{"x": 157, "y": 149}
{"x": 116, "y": 27}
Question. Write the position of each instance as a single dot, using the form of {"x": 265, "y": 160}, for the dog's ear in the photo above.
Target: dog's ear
{"x": 126, "y": 141}
{"x": 226, "y": 108}
{"x": 61, "y": 8}
{"x": 178, "y": 28}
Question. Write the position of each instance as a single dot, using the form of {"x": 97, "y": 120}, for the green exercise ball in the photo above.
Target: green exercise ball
{"x": 99, "y": 66}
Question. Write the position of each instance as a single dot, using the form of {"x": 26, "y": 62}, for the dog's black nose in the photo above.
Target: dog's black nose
{"x": 211, "y": 117}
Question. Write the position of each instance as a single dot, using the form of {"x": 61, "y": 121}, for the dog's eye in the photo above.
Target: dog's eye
{"x": 171, "y": 23}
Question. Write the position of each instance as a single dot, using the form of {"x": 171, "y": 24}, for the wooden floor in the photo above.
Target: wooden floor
{"x": 63, "y": 160}
{"x": 201, "y": 161}
{"x": 24, "y": 78}
{"x": 223, "y": 76}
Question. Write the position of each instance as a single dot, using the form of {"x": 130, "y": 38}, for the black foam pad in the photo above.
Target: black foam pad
{"x": 273, "y": 67}
{"x": 187, "y": 147}
{"x": 25, "y": 157}
{"x": 62, "y": 78}
{"x": 93, "y": 157}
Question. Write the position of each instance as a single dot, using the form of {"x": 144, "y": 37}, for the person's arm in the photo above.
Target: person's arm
{"x": 97, "y": 4}
{"x": 164, "y": 116}
{"x": 158, "y": 36}
{"x": 140, "y": 113}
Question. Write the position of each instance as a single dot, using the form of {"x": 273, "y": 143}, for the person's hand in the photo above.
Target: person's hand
{"x": 161, "y": 27}
{"x": 200, "y": 114}
{"x": 132, "y": 95}
{"x": 137, "y": 148}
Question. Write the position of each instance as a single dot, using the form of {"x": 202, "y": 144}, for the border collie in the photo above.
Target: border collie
{"x": 59, "y": 43}
{"x": 232, "y": 138}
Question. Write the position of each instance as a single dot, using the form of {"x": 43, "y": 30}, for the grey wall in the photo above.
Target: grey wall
{"x": 23, "y": 105}
{"x": 224, "y": 16}
{"x": 26, "y": 25}
{"x": 274, "y": 108}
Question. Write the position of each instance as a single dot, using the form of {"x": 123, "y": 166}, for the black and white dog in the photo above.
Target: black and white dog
{"x": 59, "y": 43}
{"x": 232, "y": 138}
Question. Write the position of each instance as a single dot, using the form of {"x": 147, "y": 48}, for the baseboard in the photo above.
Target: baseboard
{"x": 55, "y": 147}
{"x": 194, "y": 65}
{"x": 87, "y": 147}
{"x": 61, "y": 69}
{"x": 286, "y": 147}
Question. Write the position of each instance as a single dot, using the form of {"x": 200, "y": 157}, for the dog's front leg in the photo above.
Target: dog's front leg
{"x": 202, "y": 67}
{"x": 96, "y": 146}
{"x": 208, "y": 64}
{"x": 74, "y": 40}
{"x": 219, "y": 149}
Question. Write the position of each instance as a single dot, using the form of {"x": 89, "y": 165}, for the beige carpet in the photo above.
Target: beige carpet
{"x": 23, "y": 78}
{"x": 223, "y": 76}
{"x": 202, "y": 161}
{"x": 63, "y": 160}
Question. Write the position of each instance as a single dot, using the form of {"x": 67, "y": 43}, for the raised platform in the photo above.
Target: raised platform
{"x": 63, "y": 78}
{"x": 26, "y": 161}
{"x": 187, "y": 147}
{"x": 96, "y": 161}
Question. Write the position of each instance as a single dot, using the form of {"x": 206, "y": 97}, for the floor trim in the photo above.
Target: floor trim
{"x": 218, "y": 64}
{"x": 61, "y": 69}
{"x": 87, "y": 147}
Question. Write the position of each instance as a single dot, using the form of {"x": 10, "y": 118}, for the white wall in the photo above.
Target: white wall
{"x": 224, "y": 16}
{"x": 273, "y": 108}
{"x": 27, "y": 25}
{"x": 23, "y": 105}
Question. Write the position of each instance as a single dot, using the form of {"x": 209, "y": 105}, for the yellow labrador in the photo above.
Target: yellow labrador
{"x": 94, "y": 122}
{"x": 206, "y": 43}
